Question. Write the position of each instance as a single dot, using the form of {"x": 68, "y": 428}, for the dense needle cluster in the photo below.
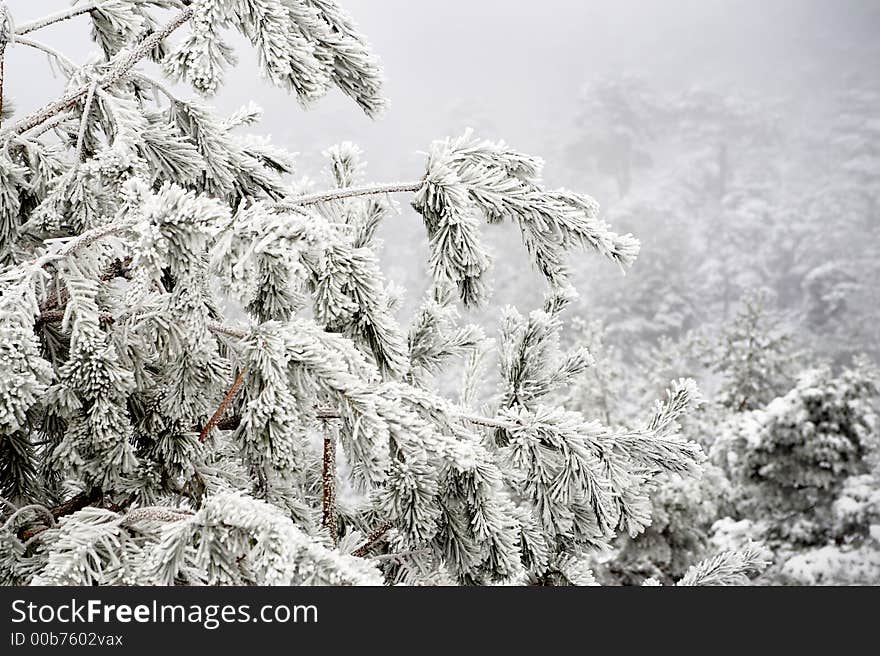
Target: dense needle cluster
{"x": 184, "y": 336}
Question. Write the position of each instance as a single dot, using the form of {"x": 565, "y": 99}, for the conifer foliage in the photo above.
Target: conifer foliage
{"x": 204, "y": 379}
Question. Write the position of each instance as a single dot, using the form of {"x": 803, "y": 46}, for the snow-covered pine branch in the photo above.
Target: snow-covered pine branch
{"x": 169, "y": 444}
{"x": 468, "y": 178}
{"x": 727, "y": 568}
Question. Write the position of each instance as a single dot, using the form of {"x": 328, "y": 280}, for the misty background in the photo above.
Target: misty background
{"x": 520, "y": 66}
{"x": 520, "y": 71}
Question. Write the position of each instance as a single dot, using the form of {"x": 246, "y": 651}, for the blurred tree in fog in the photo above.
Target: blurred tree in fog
{"x": 619, "y": 119}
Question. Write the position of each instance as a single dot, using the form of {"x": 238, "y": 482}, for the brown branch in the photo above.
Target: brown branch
{"x": 52, "y": 309}
{"x": 224, "y": 406}
{"x": 231, "y": 423}
{"x": 50, "y": 316}
{"x": 328, "y": 486}
{"x": 59, "y": 298}
{"x": 75, "y": 503}
{"x": 118, "y": 68}
{"x": 373, "y": 538}
{"x": 401, "y": 554}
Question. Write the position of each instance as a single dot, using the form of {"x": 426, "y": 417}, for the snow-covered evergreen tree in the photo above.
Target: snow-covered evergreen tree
{"x": 804, "y": 471}
{"x": 683, "y": 509}
{"x": 802, "y": 446}
{"x": 204, "y": 378}
{"x": 838, "y": 267}
{"x": 756, "y": 357}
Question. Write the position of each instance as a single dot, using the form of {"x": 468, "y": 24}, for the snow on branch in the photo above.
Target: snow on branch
{"x": 184, "y": 333}
{"x": 727, "y": 568}
{"x": 468, "y": 178}
{"x": 303, "y": 46}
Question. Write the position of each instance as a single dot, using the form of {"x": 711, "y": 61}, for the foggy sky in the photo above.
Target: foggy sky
{"x": 516, "y": 67}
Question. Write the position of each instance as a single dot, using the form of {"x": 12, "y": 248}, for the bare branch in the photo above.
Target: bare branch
{"x": 34, "y": 507}
{"x": 372, "y": 539}
{"x": 224, "y": 405}
{"x": 328, "y": 485}
{"x": 75, "y": 503}
{"x": 73, "y": 245}
{"x": 220, "y": 329}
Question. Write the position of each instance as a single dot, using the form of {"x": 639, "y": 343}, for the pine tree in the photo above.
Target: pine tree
{"x": 838, "y": 266}
{"x": 755, "y": 356}
{"x": 792, "y": 460}
{"x": 683, "y": 509}
{"x": 618, "y": 119}
{"x": 147, "y": 437}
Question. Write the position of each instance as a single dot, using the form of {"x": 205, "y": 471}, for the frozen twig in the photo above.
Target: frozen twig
{"x": 487, "y": 422}
{"x": 81, "y": 136}
{"x": 57, "y": 17}
{"x": 155, "y": 514}
{"x": 328, "y": 484}
{"x": 224, "y": 406}
{"x": 349, "y": 192}
{"x": 119, "y": 66}
{"x": 373, "y": 538}
{"x": 34, "y": 507}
